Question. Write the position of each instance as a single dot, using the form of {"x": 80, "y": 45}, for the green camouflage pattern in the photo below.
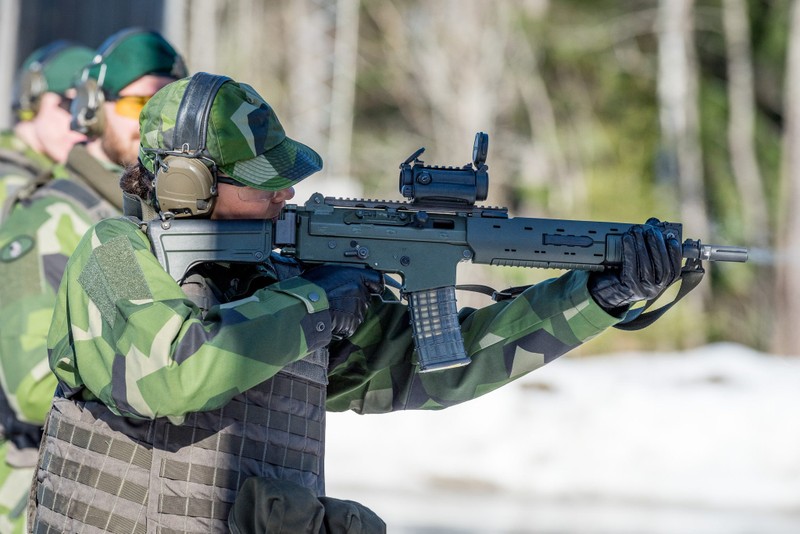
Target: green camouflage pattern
{"x": 28, "y": 239}
{"x": 25, "y": 381}
{"x": 36, "y": 239}
{"x": 245, "y": 138}
{"x": 124, "y": 333}
{"x": 375, "y": 370}
{"x": 15, "y": 485}
{"x": 35, "y": 242}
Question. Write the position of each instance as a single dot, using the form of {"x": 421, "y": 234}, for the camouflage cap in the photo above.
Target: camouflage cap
{"x": 130, "y": 54}
{"x": 244, "y": 137}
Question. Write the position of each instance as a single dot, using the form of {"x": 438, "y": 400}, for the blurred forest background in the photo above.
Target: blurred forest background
{"x": 602, "y": 110}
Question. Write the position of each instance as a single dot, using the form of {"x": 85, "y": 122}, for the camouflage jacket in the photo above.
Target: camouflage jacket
{"x": 39, "y": 234}
{"x": 20, "y": 167}
{"x": 125, "y": 333}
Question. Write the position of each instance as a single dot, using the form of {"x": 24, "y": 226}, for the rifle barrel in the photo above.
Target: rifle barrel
{"x": 696, "y": 250}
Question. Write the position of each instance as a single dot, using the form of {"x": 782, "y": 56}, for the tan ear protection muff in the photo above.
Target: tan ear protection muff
{"x": 185, "y": 178}
{"x": 87, "y": 107}
{"x": 185, "y": 187}
{"x": 33, "y": 84}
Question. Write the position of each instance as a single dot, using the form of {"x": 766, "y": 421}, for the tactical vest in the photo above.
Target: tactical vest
{"x": 99, "y": 472}
{"x": 14, "y": 163}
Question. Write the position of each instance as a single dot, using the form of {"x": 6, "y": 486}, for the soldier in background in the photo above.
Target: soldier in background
{"x": 32, "y": 152}
{"x": 45, "y": 218}
{"x": 128, "y": 68}
{"x": 199, "y": 406}
{"x": 36, "y": 147}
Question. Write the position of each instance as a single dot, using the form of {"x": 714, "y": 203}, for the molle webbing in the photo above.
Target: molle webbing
{"x": 91, "y": 515}
{"x": 183, "y": 436}
{"x": 116, "y": 474}
{"x": 124, "y": 451}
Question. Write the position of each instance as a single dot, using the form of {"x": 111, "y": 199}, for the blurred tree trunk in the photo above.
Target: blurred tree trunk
{"x": 309, "y": 27}
{"x": 545, "y": 161}
{"x": 741, "y": 123}
{"x": 322, "y": 37}
{"x": 447, "y": 68}
{"x": 455, "y": 67}
{"x": 680, "y": 133}
{"x": 204, "y": 35}
{"x": 787, "y": 296}
{"x": 343, "y": 90}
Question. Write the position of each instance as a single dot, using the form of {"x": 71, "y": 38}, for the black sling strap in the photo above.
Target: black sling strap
{"x": 636, "y": 319}
{"x": 691, "y": 275}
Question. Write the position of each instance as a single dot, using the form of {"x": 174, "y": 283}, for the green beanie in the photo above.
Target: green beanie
{"x": 51, "y": 68}
{"x": 130, "y": 54}
{"x": 59, "y": 64}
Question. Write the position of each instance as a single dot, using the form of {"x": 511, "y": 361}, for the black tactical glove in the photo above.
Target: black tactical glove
{"x": 650, "y": 264}
{"x": 348, "y": 290}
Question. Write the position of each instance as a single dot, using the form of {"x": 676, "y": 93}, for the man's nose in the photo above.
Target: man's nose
{"x": 288, "y": 193}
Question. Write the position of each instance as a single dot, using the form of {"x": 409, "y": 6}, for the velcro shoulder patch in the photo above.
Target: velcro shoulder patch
{"x": 18, "y": 247}
{"x": 113, "y": 274}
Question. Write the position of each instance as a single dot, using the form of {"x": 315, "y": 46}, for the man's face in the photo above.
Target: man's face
{"x": 234, "y": 202}
{"x": 52, "y": 126}
{"x": 120, "y": 140}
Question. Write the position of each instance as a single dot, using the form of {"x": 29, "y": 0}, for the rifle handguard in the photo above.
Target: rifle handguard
{"x": 437, "y": 333}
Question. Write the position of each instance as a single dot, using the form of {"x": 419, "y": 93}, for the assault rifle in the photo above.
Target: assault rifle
{"x": 422, "y": 240}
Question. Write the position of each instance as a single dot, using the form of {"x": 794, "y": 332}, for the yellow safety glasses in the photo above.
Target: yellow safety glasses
{"x": 130, "y": 106}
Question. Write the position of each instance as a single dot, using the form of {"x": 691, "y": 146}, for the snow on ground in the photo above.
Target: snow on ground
{"x": 703, "y": 441}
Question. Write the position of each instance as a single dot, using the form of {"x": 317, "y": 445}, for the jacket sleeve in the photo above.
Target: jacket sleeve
{"x": 35, "y": 242}
{"x": 375, "y": 370}
{"x": 125, "y": 333}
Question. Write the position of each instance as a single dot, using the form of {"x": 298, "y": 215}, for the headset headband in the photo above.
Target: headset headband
{"x": 48, "y": 53}
{"x": 191, "y": 122}
{"x": 105, "y": 49}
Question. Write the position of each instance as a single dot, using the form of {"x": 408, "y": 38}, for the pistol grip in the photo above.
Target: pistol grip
{"x": 437, "y": 334}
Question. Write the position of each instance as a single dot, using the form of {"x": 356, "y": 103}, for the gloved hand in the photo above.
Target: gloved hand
{"x": 650, "y": 264}
{"x": 348, "y": 290}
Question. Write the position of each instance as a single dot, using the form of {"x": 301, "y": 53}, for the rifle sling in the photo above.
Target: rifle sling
{"x": 497, "y": 296}
{"x": 691, "y": 275}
